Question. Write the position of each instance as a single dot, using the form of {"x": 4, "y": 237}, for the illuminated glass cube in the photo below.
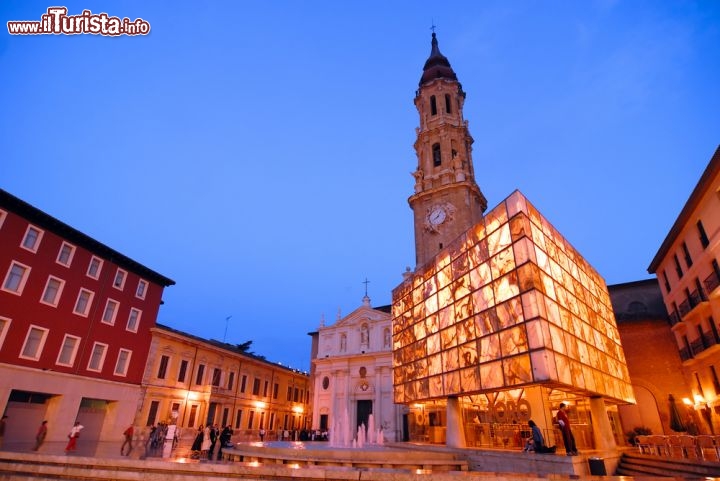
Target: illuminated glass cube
{"x": 508, "y": 304}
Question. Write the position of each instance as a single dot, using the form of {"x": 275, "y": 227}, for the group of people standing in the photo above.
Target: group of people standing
{"x": 536, "y": 442}
{"x": 207, "y": 438}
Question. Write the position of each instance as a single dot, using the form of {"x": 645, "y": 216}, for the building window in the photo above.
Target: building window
{"x": 200, "y": 375}
{"x": 678, "y": 269}
{"x": 433, "y": 105}
{"x": 34, "y": 343}
{"x": 152, "y": 413}
{"x": 68, "y": 351}
{"x": 32, "y": 238}
{"x": 271, "y": 424}
{"x": 183, "y": 370}
{"x": 250, "y": 419}
{"x": 238, "y": 418}
{"x": 297, "y": 395}
{"x": 289, "y": 393}
{"x": 52, "y": 292}
{"x": 700, "y": 292}
{"x": 276, "y": 388}
{"x": 448, "y": 108}
{"x": 686, "y": 253}
{"x": 256, "y": 387}
{"x": 437, "y": 157}
{"x": 714, "y": 330}
{"x": 665, "y": 281}
{"x": 133, "y": 320}
{"x": 16, "y": 278}
{"x": 110, "y": 312}
{"x": 123, "y": 361}
{"x": 162, "y": 368}
{"x": 265, "y": 388}
{"x": 216, "y": 377}
{"x": 193, "y": 415}
{"x": 4, "y": 328}
{"x": 704, "y": 241}
{"x": 243, "y": 383}
{"x": 716, "y": 381}
{"x": 231, "y": 381}
{"x": 82, "y": 305}
{"x": 698, "y": 385}
{"x": 97, "y": 358}
{"x": 141, "y": 289}
{"x": 65, "y": 255}
{"x": 94, "y": 268}
{"x": 119, "y": 281}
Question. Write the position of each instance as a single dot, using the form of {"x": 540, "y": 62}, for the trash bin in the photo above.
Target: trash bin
{"x": 597, "y": 466}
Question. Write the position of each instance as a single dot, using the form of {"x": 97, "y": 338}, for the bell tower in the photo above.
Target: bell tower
{"x": 447, "y": 201}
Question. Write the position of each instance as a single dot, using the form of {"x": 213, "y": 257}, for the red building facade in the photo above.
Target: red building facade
{"x": 75, "y": 320}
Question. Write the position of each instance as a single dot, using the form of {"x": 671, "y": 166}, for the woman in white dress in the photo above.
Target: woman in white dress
{"x": 206, "y": 443}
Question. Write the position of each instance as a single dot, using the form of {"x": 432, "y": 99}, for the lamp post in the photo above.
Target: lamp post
{"x": 704, "y": 407}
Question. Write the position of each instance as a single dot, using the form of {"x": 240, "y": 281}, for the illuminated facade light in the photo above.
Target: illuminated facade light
{"x": 508, "y": 304}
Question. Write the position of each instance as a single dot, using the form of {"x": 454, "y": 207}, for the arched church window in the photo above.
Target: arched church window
{"x": 325, "y": 383}
{"x": 636, "y": 307}
{"x": 433, "y": 105}
{"x": 343, "y": 342}
{"x": 448, "y": 108}
{"x": 437, "y": 158}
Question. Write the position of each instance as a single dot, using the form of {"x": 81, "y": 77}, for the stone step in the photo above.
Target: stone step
{"x": 642, "y": 464}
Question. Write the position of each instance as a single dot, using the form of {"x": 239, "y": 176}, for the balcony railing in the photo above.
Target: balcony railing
{"x": 696, "y": 297}
{"x": 685, "y": 354}
{"x": 703, "y": 343}
{"x": 712, "y": 282}
{"x": 684, "y": 308}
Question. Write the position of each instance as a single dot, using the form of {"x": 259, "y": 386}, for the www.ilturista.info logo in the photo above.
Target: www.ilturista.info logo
{"x": 57, "y": 22}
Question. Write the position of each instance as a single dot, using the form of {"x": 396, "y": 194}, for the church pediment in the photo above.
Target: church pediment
{"x": 360, "y": 315}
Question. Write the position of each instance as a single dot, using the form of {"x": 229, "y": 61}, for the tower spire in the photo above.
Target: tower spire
{"x": 447, "y": 201}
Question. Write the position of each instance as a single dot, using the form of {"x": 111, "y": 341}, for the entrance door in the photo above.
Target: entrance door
{"x": 323, "y": 422}
{"x": 364, "y": 410}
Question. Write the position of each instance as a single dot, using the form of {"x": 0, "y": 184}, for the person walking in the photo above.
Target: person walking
{"x": 214, "y": 433}
{"x": 225, "y": 436}
{"x": 72, "y": 436}
{"x": 128, "y": 433}
{"x": 262, "y": 435}
{"x": 40, "y": 435}
{"x": 567, "y": 435}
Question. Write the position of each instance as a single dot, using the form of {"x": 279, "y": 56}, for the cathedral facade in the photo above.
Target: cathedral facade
{"x": 352, "y": 375}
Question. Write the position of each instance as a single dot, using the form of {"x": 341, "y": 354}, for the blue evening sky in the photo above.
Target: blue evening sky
{"x": 259, "y": 153}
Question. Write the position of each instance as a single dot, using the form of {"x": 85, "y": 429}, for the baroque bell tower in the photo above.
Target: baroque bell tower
{"x": 447, "y": 201}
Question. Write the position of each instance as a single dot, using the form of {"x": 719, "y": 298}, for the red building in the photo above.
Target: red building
{"x": 75, "y": 320}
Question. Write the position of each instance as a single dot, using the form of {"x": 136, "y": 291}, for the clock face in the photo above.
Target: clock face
{"x": 437, "y": 216}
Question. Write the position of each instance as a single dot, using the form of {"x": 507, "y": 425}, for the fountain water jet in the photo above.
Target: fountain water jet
{"x": 371, "y": 429}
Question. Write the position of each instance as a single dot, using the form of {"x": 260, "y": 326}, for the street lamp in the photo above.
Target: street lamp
{"x": 704, "y": 407}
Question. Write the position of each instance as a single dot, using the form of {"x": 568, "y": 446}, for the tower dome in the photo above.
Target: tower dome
{"x": 437, "y": 65}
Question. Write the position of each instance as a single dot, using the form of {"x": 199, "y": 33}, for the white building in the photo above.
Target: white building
{"x": 352, "y": 373}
